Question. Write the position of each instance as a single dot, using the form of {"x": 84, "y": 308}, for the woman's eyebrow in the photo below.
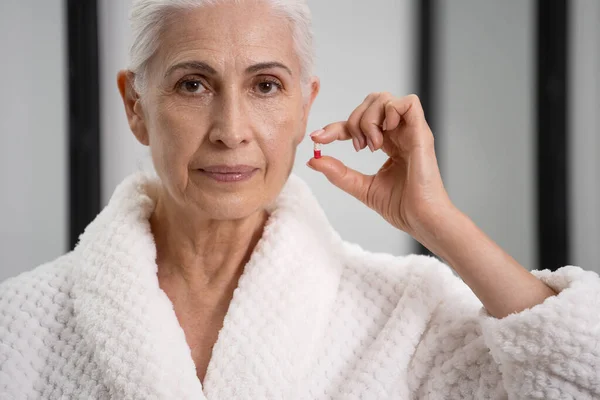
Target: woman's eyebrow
{"x": 195, "y": 65}
{"x": 267, "y": 65}
{"x": 207, "y": 69}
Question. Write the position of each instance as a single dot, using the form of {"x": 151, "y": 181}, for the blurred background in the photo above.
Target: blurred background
{"x": 510, "y": 89}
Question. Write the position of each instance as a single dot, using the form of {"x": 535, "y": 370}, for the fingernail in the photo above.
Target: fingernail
{"x": 371, "y": 147}
{"x": 355, "y": 144}
{"x": 310, "y": 166}
{"x": 317, "y": 133}
{"x": 362, "y": 142}
{"x": 384, "y": 126}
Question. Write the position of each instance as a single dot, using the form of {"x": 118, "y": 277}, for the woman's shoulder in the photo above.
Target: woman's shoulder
{"x": 35, "y": 310}
{"x": 394, "y": 267}
{"x": 52, "y": 274}
{"x": 391, "y": 277}
{"x": 36, "y": 293}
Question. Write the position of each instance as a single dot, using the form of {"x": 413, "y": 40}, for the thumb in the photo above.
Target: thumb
{"x": 347, "y": 179}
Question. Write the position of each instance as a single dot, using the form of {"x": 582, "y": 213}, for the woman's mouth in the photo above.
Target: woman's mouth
{"x": 226, "y": 173}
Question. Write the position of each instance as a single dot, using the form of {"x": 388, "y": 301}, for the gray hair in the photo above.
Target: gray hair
{"x": 147, "y": 17}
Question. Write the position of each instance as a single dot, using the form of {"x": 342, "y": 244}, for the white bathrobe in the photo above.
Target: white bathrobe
{"x": 313, "y": 317}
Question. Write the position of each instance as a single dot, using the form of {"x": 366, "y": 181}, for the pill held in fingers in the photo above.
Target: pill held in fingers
{"x": 317, "y": 150}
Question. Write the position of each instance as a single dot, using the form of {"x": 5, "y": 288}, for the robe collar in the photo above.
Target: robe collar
{"x": 271, "y": 330}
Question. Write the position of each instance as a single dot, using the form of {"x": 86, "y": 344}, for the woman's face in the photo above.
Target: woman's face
{"x": 223, "y": 111}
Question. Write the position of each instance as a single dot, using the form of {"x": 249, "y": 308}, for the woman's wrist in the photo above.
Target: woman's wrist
{"x": 433, "y": 227}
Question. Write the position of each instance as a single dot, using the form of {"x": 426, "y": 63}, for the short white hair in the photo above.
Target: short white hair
{"x": 147, "y": 18}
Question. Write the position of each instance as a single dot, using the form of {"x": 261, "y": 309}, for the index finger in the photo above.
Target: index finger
{"x": 332, "y": 132}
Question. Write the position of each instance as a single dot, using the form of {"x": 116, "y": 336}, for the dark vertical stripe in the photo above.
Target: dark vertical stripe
{"x": 552, "y": 124}
{"x": 426, "y": 49}
{"x": 426, "y": 57}
{"x": 84, "y": 115}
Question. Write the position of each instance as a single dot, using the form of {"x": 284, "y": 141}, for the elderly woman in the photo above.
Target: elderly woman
{"x": 222, "y": 279}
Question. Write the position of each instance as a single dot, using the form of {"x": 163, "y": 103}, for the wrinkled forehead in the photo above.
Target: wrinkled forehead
{"x": 226, "y": 35}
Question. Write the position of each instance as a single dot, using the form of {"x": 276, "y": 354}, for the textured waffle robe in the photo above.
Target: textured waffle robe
{"x": 313, "y": 317}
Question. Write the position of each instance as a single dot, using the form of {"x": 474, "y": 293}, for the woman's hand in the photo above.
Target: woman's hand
{"x": 407, "y": 190}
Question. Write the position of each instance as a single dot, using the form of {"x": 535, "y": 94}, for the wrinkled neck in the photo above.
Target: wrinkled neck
{"x": 201, "y": 251}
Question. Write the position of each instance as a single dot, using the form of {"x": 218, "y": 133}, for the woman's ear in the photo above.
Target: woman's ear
{"x": 133, "y": 106}
{"x": 315, "y": 86}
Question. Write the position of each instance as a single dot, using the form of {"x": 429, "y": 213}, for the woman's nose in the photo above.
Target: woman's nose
{"x": 232, "y": 127}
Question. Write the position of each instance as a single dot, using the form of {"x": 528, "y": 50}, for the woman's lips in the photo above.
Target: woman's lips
{"x": 225, "y": 173}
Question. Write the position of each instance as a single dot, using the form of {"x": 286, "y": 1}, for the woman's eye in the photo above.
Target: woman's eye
{"x": 192, "y": 86}
{"x": 268, "y": 87}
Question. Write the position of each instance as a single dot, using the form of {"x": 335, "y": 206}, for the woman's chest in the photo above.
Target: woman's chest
{"x": 200, "y": 313}
{"x": 201, "y": 333}
{"x": 367, "y": 346}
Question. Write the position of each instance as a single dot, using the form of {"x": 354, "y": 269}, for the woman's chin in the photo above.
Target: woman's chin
{"x": 231, "y": 206}
{"x": 231, "y": 200}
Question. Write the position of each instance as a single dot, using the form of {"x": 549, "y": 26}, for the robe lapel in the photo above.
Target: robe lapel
{"x": 280, "y": 307}
{"x": 278, "y": 311}
{"x": 125, "y": 318}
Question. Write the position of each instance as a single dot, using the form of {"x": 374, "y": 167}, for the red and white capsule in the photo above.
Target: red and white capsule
{"x": 317, "y": 150}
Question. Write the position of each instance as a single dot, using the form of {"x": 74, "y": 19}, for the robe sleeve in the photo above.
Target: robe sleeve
{"x": 551, "y": 351}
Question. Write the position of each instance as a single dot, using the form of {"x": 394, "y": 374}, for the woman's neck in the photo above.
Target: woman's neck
{"x": 199, "y": 252}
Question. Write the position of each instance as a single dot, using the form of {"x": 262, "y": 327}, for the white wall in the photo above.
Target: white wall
{"x": 121, "y": 153}
{"x": 486, "y": 118}
{"x": 360, "y": 49}
{"x": 585, "y": 133}
{"x": 33, "y": 134}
